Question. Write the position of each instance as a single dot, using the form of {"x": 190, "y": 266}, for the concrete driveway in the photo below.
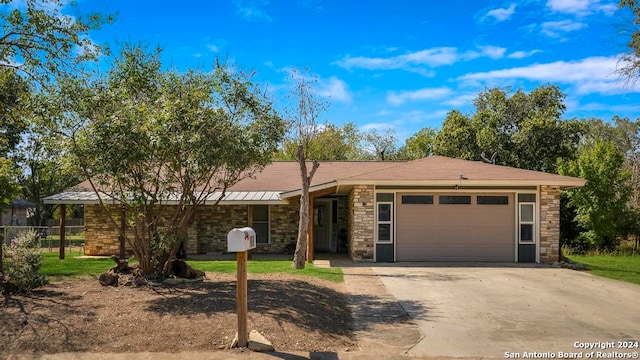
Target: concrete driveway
{"x": 489, "y": 311}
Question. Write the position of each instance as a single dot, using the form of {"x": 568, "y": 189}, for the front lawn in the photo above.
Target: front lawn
{"x": 619, "y": 267}
{"x": 268, "y": 266}
{"x": 74, "y": 266}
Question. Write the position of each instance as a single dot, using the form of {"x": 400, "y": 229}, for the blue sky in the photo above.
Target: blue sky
{"x": 399, "y": 64}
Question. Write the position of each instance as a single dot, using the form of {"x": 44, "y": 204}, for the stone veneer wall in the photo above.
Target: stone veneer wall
{"x": 214, "y": 223}
{"x": 101, "y": 236}
{"x": 361, "y": 222}
{"x": 549, "y": 224}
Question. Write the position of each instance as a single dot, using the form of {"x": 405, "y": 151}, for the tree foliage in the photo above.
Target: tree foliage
{"x": 518, "y": 129}
{"x": 601, "y": 205}
{"x": 43, "y": 43}
{"x": 380, "y": 144}
{"x": 418, "y": 145}
{"x": 330, "y": 142}
{"x": 457, "y": 138}
{"x": 144, "y": 137}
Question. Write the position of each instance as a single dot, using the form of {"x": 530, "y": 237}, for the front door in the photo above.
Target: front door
{"x": 322, "y": 225}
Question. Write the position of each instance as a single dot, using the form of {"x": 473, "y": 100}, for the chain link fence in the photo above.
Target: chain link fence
{"x": 49, "y": 236}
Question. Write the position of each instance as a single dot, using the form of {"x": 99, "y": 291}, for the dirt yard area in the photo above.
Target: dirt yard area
{"x": 295, "y": 313}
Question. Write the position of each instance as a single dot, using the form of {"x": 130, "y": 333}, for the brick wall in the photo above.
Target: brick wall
{"x": 361, "y": 222}
{"x": 549, "y": 223}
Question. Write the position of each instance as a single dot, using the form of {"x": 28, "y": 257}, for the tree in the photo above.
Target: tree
{"x": 630, "y": 61}
{"x": 46, "y": 171}
{"x": 41, "y": 42}
{"x": 330, "y": 142}
{"x": 601, "y": 205}
{"x": 144, "y": 137}
{"x": 14, "y": 93}
{"x": 380, "y": 145}
{"x": 457, "y": 138}
{"x": 303, "y": 119}
{"x": 419, "y": 145}
{"x": 518, "y": 129}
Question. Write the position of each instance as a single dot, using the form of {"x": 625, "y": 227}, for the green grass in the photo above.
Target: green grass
{"x": 619, "y": 267}
{"x": 72, "y": 266}
{"x": 268, "y": 267}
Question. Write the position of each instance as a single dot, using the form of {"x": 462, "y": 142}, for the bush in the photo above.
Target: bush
{"x": 22, "y": 261}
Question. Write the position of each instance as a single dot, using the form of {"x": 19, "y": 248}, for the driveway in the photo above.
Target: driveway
{"x": 489, "y": 311}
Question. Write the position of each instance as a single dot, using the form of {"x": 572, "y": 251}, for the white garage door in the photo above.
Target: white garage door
{"x": 455, "y": 227}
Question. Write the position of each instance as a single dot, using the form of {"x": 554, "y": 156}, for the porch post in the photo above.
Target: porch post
{"x": 123, "y": 228}
{"x": 63, "y": 220}
{"x": 310, "y": 252}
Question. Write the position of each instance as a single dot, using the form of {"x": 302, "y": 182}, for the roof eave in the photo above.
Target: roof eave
{"x": 563, "y": 183}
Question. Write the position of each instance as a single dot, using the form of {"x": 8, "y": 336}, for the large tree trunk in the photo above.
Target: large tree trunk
{"x": 299, "y": 256}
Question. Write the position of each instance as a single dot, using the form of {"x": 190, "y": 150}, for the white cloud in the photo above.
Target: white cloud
{"x": 213, "y": 48}
{"x": 416, "y": 61}
{"x": 251, "y": 10}
{"x": 430, "y": 57}
{"x": 557, "y": 29}
{"x": 588, "y": 76}
{"x": 335, "y": 89}
{"x": 523, "y": 54}
{"x": 500, "y": 14}
{"x": 581, "y": 7}
{"x": 399, "y": 98}
{"x": 461, "y": 100}
{"x": 492, "y": 52}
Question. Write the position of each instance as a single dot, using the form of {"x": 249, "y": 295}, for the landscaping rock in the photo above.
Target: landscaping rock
{"x": 107, "y": 279}
{"x": 181, "y": 269}
{"x": 259, "y": 343}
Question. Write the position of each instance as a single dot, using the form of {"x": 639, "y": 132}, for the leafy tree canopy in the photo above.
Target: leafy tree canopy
{"x": 601, "y": 205}
{"x": 143, "y": 135}
{"x": 41, "y": 42}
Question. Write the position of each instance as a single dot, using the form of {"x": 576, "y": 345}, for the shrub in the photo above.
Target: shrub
{"x": 22, "y": 261}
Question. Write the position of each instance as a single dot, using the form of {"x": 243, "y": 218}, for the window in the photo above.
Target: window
{"x": 384, "y": 197}
{"x": 492, "y": 200}
{"x": 527, "y": 198}
{"x": 454, "y": 199}
{"x": 385, "y": 219}
{"x": 526, "y": 217}
{"x": 417, "y": 199}
{"x": 260, "y": 223}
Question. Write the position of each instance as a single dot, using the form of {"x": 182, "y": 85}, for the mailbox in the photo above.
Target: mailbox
{"x": 241, "y": 239}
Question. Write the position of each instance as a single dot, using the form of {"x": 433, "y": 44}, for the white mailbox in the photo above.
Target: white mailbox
{"x": 241, "y": 239}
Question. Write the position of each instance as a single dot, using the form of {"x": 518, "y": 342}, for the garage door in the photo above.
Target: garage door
{"x": 455, "y": 227}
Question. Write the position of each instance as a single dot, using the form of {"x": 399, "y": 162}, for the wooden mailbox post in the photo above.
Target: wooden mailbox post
{"x": 241, "y": 241}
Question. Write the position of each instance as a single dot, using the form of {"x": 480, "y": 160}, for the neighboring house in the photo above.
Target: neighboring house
{"x": 17, "y": 213}
{"x": 431, "y": 209}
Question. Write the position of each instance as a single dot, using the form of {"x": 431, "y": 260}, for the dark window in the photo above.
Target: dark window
{"x": 384, "y": 232}
{"x": 417, "y": 199}
{"x": 455, "y": 199}
{"x": 526, "y": 233}
{"x": 526, "y": 197}
{"x": 384, "y": 212}
{"x": 260, "y": 223}
{"x": 384, "y": 197}
{"x": 493, "y": 200}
